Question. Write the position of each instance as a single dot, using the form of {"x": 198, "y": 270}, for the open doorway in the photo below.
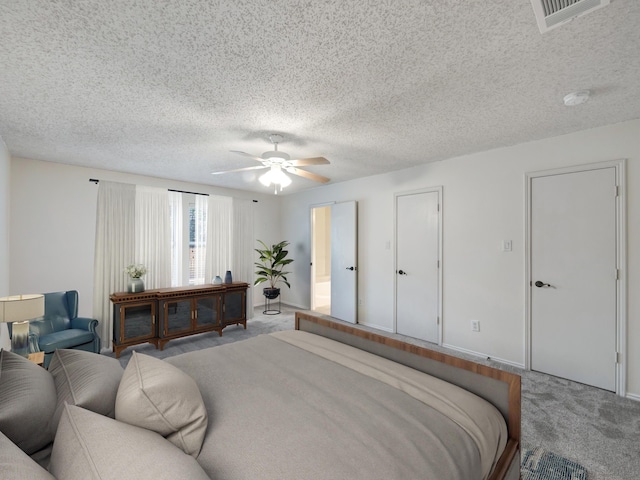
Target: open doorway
{"x": 321, "y": 259}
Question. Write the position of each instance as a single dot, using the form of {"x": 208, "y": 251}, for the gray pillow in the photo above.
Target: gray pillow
{"x": 158, "y": 396}
{"x": 85, "y": 379}
{"x": 17, "y": 465}
{"x": 91, "y": 446}
{"x": 27, "y": 402}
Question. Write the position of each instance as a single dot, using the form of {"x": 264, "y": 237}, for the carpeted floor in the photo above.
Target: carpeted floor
{"x": 258, "y": 325}
{"x": 595, "y": 428}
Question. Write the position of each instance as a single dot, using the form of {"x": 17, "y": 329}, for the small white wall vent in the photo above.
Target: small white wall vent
{"x": 553, "y": 13}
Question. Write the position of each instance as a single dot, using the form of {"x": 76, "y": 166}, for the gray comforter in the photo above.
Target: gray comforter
{"x": 290, "y": 406}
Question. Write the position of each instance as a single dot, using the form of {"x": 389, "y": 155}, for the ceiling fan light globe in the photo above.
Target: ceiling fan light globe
{"x": 265, "y": 179}
{"x": 278, "y": 176}
{"x": 285, "y": 181}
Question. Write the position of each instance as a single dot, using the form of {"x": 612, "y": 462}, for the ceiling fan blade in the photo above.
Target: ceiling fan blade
{"x": 239, "y": 170}
{"x": 301, "y": 162}
{"x": 309, "y": 175}
{"x": 245, "y": 154}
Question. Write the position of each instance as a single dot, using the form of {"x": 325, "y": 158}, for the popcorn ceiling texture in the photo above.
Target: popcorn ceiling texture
{"x": 167, "y": 87}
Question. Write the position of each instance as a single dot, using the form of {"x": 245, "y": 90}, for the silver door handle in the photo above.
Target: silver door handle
{"x": 351, "y": 268}
{"x": 401, "y": 272}
{"x": 540, "y": 284}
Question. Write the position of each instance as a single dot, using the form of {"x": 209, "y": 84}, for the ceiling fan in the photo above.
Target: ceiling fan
{"x": 278, "y": 163}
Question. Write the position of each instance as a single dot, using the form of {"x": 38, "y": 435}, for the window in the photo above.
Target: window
{"x": 197, "y": 241}
{"x": 188, "y": 213}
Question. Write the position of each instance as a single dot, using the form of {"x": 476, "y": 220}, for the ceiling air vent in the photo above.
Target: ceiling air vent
{"x": 553, "y": 13}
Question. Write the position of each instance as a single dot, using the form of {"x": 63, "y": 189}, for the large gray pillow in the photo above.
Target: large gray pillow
{"x": 17, "y": 465}
{"x": 85, "y": 379}
{"x": 158, "y": 396}
{"x": 91, "y": 446}
{"x": 27, "y": 402}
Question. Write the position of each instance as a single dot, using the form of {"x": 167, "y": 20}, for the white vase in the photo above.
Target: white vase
{"x": 135, "y": 285}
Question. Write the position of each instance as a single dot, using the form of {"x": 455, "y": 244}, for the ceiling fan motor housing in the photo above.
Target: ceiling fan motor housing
{"x": 275, "y": 154}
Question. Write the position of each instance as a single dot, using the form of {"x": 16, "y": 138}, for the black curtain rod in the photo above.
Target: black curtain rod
{"x": 192, "y": 193}
{"x": 96, "y": 181}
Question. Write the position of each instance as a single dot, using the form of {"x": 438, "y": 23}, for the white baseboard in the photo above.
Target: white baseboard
{"x": 483, "y": 355}
{"x": 377, "y": 327}
{"x": 288, "y": 304}
{"x": 633, "y": 396}
{"x": 295, "y": 305}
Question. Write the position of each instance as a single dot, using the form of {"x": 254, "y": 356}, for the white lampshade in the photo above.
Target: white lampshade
{"x": 17, "y": 308}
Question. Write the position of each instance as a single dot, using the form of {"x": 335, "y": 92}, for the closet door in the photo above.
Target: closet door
{"x": 344, "y": 261}
{"x": 418, "y": 265}
{"x": 574, "y": 276}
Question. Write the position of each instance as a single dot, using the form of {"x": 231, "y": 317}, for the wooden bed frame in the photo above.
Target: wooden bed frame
{"x": 498, "y": 387}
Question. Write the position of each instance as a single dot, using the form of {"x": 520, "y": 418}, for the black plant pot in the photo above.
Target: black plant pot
{"x": 271, "y": 293}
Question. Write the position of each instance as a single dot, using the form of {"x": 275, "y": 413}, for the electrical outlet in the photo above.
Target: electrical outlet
{"x": 359, "y": 301}
{"x": 475, "y": 325}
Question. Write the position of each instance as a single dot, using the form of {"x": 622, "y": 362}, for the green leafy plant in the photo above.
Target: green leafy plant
{"x": 272, "y": 261}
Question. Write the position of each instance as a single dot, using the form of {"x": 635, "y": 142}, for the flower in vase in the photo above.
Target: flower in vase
{"x": 135, "y": 270}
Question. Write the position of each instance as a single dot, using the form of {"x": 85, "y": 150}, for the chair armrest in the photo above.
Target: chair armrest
{"x": 83, "y": 323}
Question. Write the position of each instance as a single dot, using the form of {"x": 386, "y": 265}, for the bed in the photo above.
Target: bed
{"x": 307, "y": 404}
{"x": 326, "y": 401}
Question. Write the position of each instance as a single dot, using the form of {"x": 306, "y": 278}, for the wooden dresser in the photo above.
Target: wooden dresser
{"x": 158, "y": 316}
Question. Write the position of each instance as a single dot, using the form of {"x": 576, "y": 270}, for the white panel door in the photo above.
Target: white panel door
{"x": 573, "y": 276}
{"x": 344, "y": 257}
{"x": 417, "y": 268}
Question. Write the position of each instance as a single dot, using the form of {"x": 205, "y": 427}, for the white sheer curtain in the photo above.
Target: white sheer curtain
{"x": 243, "y": 241}
{"x": 153, "y": 236}
{"x": 114, "y": 250}
{"x": 219, "y": 236}
{"x": 137, "y": 224}
{"x": 199, "y": 250}
{"x": 177, "y": 249}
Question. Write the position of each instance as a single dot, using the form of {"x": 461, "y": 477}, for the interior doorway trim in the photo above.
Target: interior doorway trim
{"x": 621, "y": 260}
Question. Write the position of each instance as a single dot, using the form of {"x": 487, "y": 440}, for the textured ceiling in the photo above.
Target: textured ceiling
{"x": 167, "y": 87}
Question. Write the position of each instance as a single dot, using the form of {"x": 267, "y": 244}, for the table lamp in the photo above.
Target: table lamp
{"x": 18, "y": 310}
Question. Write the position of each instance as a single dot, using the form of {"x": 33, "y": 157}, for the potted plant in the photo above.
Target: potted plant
{"x": 135, "y": 271}
{"x": 272, "y": 261}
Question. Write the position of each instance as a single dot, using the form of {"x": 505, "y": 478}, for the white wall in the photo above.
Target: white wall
{"x": 4, "y": 234}
{"x": 52, "y": 226}
{"x": 483, "y": 204}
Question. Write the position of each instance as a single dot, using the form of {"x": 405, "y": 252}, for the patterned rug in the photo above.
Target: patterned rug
{"x": 540, "y": 464}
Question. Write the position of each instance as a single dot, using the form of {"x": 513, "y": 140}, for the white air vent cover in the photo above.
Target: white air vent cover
{"x": 553, "y": 13}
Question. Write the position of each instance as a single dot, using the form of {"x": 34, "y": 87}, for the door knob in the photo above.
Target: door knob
{"x": 401, "y": 272}
{"x": 351, "y": 268}
{"x": 540, "y": 284}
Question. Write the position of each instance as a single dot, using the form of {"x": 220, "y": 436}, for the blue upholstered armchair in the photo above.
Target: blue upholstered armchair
{"x": 60, "y": 327}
